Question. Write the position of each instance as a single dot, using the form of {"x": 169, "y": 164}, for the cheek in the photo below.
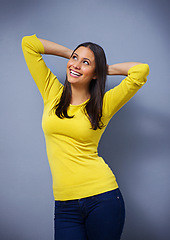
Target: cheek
{"x": 67, "y": 69}
{"x": 68, "y": 64}
{"x": 89, "y": 72}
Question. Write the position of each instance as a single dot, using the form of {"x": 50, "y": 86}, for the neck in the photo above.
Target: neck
{"x": 79, "y": 95}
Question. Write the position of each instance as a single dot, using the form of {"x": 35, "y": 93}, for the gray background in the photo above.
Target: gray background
{"x": 136, "y": 143}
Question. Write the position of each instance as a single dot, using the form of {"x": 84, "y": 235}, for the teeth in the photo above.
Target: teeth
{"x": 75, "y": 73}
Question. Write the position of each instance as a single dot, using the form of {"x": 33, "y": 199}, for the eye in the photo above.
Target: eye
{"x": 74, "y": 57}
{"x": 86, "y": 62}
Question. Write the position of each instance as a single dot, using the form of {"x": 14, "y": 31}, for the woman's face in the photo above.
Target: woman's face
{"x": 81, "y": 67}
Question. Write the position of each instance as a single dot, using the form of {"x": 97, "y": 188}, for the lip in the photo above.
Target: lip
{"x": 75, "y": 72}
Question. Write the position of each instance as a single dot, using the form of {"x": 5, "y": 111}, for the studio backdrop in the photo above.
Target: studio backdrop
{"x": 136, "y": 144}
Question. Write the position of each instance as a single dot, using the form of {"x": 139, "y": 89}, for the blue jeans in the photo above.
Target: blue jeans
{"x": 99, "y": 217}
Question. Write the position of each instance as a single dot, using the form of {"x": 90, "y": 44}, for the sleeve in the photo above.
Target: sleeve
{"x": 46, "y": 81}
{"x": 117, "y": 97}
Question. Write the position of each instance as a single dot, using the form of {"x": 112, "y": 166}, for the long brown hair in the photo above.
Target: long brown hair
{"x": 93, "y": 108}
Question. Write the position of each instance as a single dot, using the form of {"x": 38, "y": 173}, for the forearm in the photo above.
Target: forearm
{"x": 55, "y": 49}
{"x": 121, "y": 68}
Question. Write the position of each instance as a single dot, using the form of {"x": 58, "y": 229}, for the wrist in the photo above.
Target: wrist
{"x": 68, "y": 53}
{"x": 113, "y": 70}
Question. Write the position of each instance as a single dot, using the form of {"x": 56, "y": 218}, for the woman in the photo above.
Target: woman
{"x": 88, "y": 202}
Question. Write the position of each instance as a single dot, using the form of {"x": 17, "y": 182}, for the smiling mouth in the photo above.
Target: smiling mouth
{"x": 75, "y": 74}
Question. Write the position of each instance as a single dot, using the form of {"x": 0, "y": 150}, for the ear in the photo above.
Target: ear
{"x": 94, "y": 77}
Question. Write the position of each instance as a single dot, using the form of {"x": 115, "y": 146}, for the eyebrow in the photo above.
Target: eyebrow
{"x": 83, "y": 58}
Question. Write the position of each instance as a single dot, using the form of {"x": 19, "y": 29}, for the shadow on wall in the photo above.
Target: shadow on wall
{"x": 136, "y": 147}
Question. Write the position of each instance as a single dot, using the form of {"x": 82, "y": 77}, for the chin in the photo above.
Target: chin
{"x": 72, "y": 79}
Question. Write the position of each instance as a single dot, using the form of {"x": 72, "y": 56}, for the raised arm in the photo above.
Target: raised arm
{"x": 121, "y": 68}
{"x": 46, "y": 81}
{"x": 115, "y": 98}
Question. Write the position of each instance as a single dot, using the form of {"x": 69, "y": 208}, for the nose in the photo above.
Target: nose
{"x": 76, "y": 65}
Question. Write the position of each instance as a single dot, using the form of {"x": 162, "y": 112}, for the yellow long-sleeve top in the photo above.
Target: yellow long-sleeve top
{"x": 72, "y": 146}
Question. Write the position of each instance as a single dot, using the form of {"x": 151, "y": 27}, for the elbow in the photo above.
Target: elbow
{"x": 24, "y": 41}
{"x": 138, "y": 74}
{"x": 145, "y": 69}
